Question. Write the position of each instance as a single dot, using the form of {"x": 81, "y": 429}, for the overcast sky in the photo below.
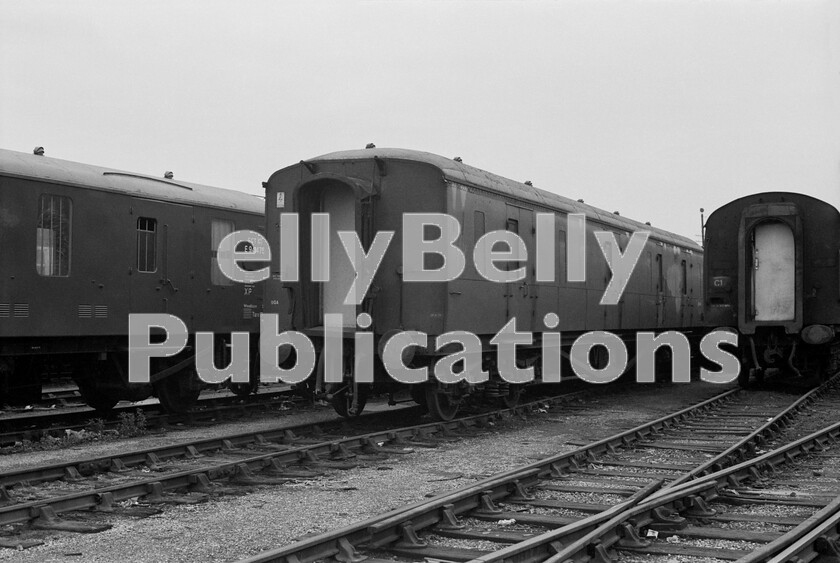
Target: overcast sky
{"x": 651, "y": 108}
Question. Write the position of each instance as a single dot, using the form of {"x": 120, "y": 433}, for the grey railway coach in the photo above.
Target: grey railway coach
{"x": 82, "y": 247}
{"x": 370, "y": 190}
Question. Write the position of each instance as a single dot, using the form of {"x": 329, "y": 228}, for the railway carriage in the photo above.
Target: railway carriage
{"x": 82, "y": 247}
{"x": 367, "y": 191}
{"x": 772, "y": 274}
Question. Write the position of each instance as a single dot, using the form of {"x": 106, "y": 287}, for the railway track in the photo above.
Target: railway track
{"x": 188, "y": 472}
{"x": 66, "y": 393}
{"x": 760, "y": 503}
{"x": 34, "y": 424}
{"x": 569, "y": 493}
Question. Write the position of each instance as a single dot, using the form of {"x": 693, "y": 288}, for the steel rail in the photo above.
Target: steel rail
{"x": 198, "y": 479}
{"x": 773, "y": 427}
{"x": 815, "y": 536}
{"x": 35, "y": 425}
{"x": 538, "y": 547}
{"x": 391, "y": 526}
{"x": 585, "y": 531}
{"x": 690, "y": 497}
{"x": 278, "y": 436}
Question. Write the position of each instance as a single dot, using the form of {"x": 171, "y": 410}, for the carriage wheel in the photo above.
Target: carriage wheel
{"x": 441, "y": 406}
{"x": 103, "y": 399}
{"x": 418, "y": 394}
{"x": 341, "y": 394}
{"x": 512, "y": 398}
{"x": 253, "y": 385}
{"x": 244, "y": 389}
{"x": 342, "y": 400}
{"x": 100, "y": 387}
{"x": 179, "y": 392}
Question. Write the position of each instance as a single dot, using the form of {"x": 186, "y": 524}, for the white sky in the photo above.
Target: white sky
{"x": 652, "y": 108}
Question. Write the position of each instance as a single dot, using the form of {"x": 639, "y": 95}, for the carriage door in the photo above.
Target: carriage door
{"x": 659, "y": 279}
{"x": 161, "y": 267}
{"x": 522, "y": 293}
{"x": 683, "y": 302}
{"x": 773, "y": 272}
{"x": 339, "y": 202}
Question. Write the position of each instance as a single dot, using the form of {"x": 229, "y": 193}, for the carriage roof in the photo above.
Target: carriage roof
{"x": 30, "y": 166}
{"x": 471, "y": 176}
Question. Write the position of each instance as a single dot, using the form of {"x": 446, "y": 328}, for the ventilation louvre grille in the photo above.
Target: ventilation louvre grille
{"x": 93, "y": 311}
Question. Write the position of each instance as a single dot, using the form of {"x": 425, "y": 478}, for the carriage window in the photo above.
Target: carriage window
{"x": 479, "y": 228}
{"x": 512, "y": 226}
{"x": 219, "y": 230}
{"x": 660, "y": 285}
{"x": 52, "y": 236}
{"x": 684, "y": 279}
{"x": 146, "y": 244}
{"x": 478, "y": 225}
{"x": 560, "y": 253}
